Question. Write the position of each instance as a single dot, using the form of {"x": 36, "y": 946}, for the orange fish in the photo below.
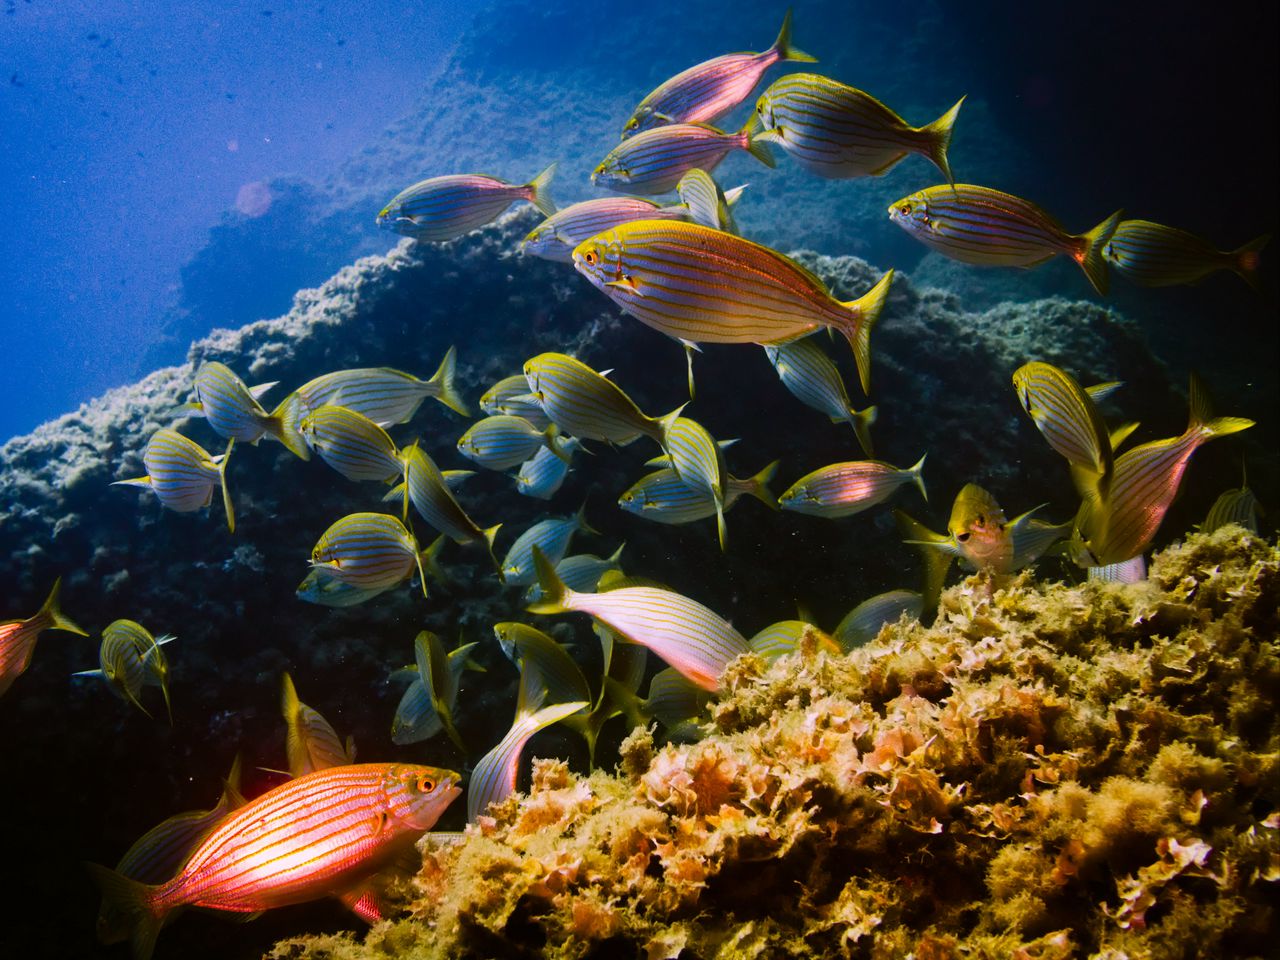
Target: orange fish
{"x": 323, "y": 834}
{"x": 18, "y": 637}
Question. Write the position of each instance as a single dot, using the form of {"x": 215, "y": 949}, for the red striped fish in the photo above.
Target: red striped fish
{"x": 655, "y": 161}
{"x": 320, "y": 835}
{"x": 843, "y": 489}
{"x": 18, "y": 637}
{"x": 705, "y": 286}
{"x": 445, "y": 208}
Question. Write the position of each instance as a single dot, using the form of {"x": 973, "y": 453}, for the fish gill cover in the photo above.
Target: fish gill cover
{"x": 1056, "y": 769}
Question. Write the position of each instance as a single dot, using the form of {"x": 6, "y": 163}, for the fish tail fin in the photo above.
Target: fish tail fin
{"x": 758, "y": 486}
{"x": 57, "y": 619}
{"x": 227, "y": 506}
{"x": 442, "y": 380}
{"x": 1244, "y": 261}
{"x": 282, "y": 423}
{"x": 936, "y": 562}
{"x": 582, "y": 521}
{"x": 540, "y": 193}
{"x": 861, "y": 421}
{"x": 430, "y": 559}
{"x": 917, "y": 475}
{"x": 554, "y": 592}
{"x": 756, "y": 144}
{"x": 1202, "y": 421}
{"x": 1089, "y": 252}
{"x": 490, "y": 535}
{"x": 134, "y": 902}
{"x": 862, "y": 316}
{"x": 783, "y": 47}
{"x": 938, "y": 140}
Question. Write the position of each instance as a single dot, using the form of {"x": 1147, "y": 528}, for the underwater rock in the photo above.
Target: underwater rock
{"x": 1048, "y": 771}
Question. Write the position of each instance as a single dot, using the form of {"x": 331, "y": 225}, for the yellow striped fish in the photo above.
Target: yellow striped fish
{"x": 581, "y": 572}
{"x": 428, "y": 490}
{"x": 986, "y": 227}
{"x": 782, "y": 638}
{"x": 352, "y": 444}
{"x": 445, "y": 208}
{"x": 182, "y": 474}
{"x": 18, "y": 637}
{"x": 705, "y": 286}
{"x": 1153, "y": 255}
{"x": 862, "y": 624}
{"x": 311, "y": 743}
{"x": 1238, "y": 506}
{"x": 706, "y": 92}
{"x": 427, "y": 705}
{"x": 501, "y": 442}
{"x": 684, "y": 633}
{"x": 663, "y": 497}
{"x": 130, "y": 659}
{"x": 840, "y": 132}
{"x": 541, "y": 475}
{"x": 653, "y": 162}
{"x": 555, "y": 237}
{"x": 551, "y": 536}
{"x": 320, "y": 588}
{"x": 843, "y": 489}
{"x": 706, "y": 202}
{"x": 698, "y": 461}
{"x": 510, "y": 395}
{"x": 371, "y": 551}
{"x": 235, "y": 413}
{"x": 814, "y": 380}
{"x": 588, "y": 404}
{"x": 383, "y": 394}
{"x": 315, "y": 836}
{"x": 1067, "y": 416}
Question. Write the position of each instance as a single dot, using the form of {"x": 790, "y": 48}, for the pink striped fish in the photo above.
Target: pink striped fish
{"x": 323, "y": 834}
{"x": 843, "y": 489}
{"x": 18, "y": 637}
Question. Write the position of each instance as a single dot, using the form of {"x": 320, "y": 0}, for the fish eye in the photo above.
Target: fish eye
{"x": 590, "y": 257}
{"x": 426, "y": 784}
{"x": 905, "y": 210}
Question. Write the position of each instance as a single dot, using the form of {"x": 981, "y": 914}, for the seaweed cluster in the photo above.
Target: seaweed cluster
{"x": 1048, "y": 771}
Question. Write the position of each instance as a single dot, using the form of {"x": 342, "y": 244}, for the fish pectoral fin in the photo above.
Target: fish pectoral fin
{"x": 378, "y": 823}
{"x": 626, "y": 283}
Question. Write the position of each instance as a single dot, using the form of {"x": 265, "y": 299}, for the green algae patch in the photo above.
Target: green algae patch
{"x": 1048, "y": 771}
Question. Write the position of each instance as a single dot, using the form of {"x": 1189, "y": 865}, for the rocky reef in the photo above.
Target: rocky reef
{"x": 1047, "y": 772}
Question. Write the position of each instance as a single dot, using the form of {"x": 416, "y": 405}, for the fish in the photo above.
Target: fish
{"x": 1120, "y": 525}
{"x": 706, "y": 92}
{"x": 839, "y": 132}
{"x": 688, "y": 636}
{"x": 843, "y": 489}
{"x": 663, "y": 497}
{"x": 861, "y": 624}
{"x": 542, "y": 474}
{"x": 320, "y": 588}
{"x": 581, "y": 572}
{"x": 706, "y": 202}
{"x": 1067, "y": 416}
{"x": 587, "y": 404}
{"x": 653, "y": 162}
{"x": 130, "y": 659}
{"x": 383, "y": 394}
{"x": 371, "y": 551}
{"x": 555, "y": 237}
{"x": 551, "y": 536}
{"x": 501, "y": 442}
{"x": 311, "y": 837}
{"x": 982, "y": 226}
{"x": 510, "y": 395}
{"x": 561, "y": 677}
{"x": 1238, "y": 506}
{"x": 428, "y": 490}
{"x": 417, "y": 717}
{"x": 1153, "y": 255}
{"x": 676, "y": 702}
{"x": 352, "y": 444}
{"x": 706, "y": 286}
{"x": 813, "y": 379}
{"x": 160, "y": 852}
{"x": 183, "y": 475}
{"x": 444, "y": 208}
{"x": 699, "y": 463}
{"x": 234, "y": 412}
{"x": 18, "y": 637}
{"x": 311, "y": 743}
{"x": 784, "y": 637}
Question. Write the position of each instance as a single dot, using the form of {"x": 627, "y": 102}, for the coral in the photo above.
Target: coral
{"x": 1047, "y": 772}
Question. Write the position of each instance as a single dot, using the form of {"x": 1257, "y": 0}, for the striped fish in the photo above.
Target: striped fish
{"x": 542, "y": 474}
{"x": 588, "y": 404}
{"x": 813, "y": 379}
{"x": 711, "y": 89}
{"x": 501, "y": 442}
{"x": 1121, "y": 524}
{"x": 663, "y": 497}
{"x": 18, "y": 637}
{"x": 352, "y": 444}
{"x": 706, "y": 286}
{"x": 417, "y": 717}
{"x": 306, "y": 839}
{"x": 783, "y": 637}
{"x": 130, "y": 659}
{"x": 383, "y": 394}
{"x": 311, "y": 743}
{"x": 234, "y": 413}
{"x": 510, "y": 395}
{"x": 843, "y": 489}
{"x": 653, "y": 162}
{"x": 1153, "y": 255}
{"x": 551, "y": 536}
{"x": 555, "y": 237}
{"x": 160, "y": 852}
{"x": 699, "y": 463}
{"x": 1067, "y": 416}
{"x": 581, "y": 572}
{"x": 371, "y": 551}
{"x": 182, "y": 474}
{"x": 684, "y": 633}
{"x": 445, "y": 208}
{"x": 677, "y": 703}
{"x": 989, "y": 228}
{"x": 428, "y": 490}
{"x": 706, "y": 202}
{"x": 1133, "y": 570}
{"x": 1233, "y": 506}
{"x": 861, "y": 624}
{"x": 320, "y": 588}
{"x": 840, "y": 132}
